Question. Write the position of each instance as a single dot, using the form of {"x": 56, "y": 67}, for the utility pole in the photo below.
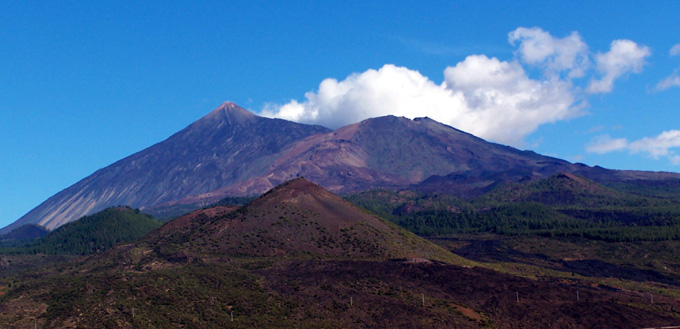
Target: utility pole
{"x": 577, "y": 297}
{"x": 423, "y": 299}
{"x": 517, "y": 296}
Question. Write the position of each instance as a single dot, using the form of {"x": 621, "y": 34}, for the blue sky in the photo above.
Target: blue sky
{"x": 83, "y": 84}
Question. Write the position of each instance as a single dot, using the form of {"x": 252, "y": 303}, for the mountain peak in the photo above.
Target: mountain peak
{"x": 225, "y": 147}
{"x": 295, "y": 191}
{"x": 230, "y": 113}
{"x": 297, "y": 186}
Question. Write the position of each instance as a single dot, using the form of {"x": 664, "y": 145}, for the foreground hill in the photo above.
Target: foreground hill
{"x": 300, "y": 257}
{"x": 298, "y": 219}
{"x": 232, "y": 152}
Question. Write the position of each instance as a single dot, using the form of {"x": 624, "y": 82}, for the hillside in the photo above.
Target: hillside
{"x": 560, "y": 205}
{"x": 171, "y": 210}
{"x": 298, "y": 219}
{"x": 328, "y": 264}
{"x": 91, "y": 234}
{"x": 396, "y": 152}
{"x": 560, "y": 189}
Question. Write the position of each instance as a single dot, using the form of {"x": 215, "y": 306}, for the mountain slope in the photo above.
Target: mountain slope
{"x": 396, "y": 152}
{"x": 558, "y": 189}
{"x": 232, "y": 152}
{"x": 297, "y": 219}
{"x": 224, "y": 147}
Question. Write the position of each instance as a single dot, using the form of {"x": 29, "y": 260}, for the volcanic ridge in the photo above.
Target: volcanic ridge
{"x": 233, "y": 152}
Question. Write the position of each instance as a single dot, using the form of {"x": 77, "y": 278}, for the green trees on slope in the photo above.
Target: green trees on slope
{"x": 91, "y": 234}
{"x": 546, "y": 208}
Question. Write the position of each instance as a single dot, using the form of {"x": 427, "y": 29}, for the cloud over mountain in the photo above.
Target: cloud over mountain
{"x": 659, "y": 146}
{"x": 485, "y": 96}
{"x": 605, "y": 144}
{"x": 662, "y": 145}
{"x": 495, "y": 99}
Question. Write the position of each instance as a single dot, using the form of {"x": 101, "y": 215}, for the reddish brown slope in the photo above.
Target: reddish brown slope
{"x": 301, "y": 219}
{"x": 394, "y": 152}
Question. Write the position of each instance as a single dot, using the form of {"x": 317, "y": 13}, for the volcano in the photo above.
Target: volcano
{"x": 233, "y": 152}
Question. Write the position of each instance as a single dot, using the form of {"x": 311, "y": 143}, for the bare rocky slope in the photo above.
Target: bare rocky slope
{"x": 224, "y": 147}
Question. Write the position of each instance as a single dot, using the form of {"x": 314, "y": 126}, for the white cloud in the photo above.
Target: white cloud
{"x": 675, "y": 50}
{"x": 661, "y": 145}
{"x": 491, "y": 98}
{"x": 539, "y": 48}
{"x": 623, "y": 57}
{"x": 389, "y": 90}
{"x": 501, "y": 102}
{"x": 604, "y": 144}
{"x": 487, "y": 97}
{"x": 672, "y": 80}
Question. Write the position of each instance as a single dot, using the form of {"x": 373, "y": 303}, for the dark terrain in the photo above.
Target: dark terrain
{"x": 306, "y": 258}
{"x": 498, "y": 250}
